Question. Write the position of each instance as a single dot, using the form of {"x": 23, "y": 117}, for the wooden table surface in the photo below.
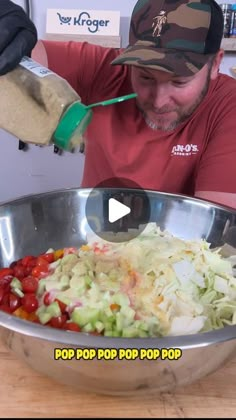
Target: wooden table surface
{"x": 26, "y": 393}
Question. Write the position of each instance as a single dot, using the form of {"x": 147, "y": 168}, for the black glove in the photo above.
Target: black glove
{"x": 18, "y": 35}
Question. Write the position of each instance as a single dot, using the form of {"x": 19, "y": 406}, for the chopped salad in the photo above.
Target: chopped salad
{"x": 154, "y": 285}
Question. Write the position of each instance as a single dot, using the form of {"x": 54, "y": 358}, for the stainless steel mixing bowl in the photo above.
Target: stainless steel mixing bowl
{"x": 35, "y": 223}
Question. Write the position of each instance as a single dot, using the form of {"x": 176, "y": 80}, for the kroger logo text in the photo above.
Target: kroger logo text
{"x": 84, "y": 19}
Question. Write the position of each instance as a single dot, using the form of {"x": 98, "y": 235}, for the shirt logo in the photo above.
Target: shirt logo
{"x": 158, "y": 22}
{"x": 187, "y": 150}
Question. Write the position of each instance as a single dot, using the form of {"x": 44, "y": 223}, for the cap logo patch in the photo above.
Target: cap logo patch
{"x": 158, "y": 22}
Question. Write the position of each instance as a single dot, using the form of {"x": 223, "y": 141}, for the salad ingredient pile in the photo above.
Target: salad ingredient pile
{"x": 152, "y": 286}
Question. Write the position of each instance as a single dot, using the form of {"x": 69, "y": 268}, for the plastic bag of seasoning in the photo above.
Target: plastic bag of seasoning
{"x": 35, "y": 102}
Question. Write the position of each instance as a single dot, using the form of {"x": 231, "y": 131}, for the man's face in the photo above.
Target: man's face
{"x": 167, "y": 100}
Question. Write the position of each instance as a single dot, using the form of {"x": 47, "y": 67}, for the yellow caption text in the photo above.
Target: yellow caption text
{"x": 111, "y": 354}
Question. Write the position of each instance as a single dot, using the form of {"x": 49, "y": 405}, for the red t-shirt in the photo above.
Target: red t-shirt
{"x": 200, "y": 155}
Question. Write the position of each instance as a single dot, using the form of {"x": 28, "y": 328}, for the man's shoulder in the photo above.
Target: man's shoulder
{"x": 225, "y": 83}
{"x": 222, "y": 93}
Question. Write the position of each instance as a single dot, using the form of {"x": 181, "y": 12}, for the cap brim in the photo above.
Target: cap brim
{"x": 180, "y": 63}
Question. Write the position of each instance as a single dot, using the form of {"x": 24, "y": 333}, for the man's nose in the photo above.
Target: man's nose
{"x": 161, "y": 95}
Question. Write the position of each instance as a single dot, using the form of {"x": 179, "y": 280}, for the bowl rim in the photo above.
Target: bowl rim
{"x": 86, "y": 340}
{"x": 189, "y": 199}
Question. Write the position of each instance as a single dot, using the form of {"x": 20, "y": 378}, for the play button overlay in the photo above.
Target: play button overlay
{"x": 117, "y": 210}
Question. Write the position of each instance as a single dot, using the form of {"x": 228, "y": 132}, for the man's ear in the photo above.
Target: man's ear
{"x": 216, "y": 64}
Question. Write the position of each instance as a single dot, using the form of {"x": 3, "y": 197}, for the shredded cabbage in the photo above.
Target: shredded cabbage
{"x": 153, "y": 285}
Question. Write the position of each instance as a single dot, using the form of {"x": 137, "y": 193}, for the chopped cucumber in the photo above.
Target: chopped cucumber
{"x": 83, "y": 316}
{"x": 16, "y": 284}
{"x": 44, "y": 317}
{"x": 121, "y": 299}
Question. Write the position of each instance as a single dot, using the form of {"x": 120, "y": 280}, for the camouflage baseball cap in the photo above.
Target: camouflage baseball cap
{"x": 177, "y": 36}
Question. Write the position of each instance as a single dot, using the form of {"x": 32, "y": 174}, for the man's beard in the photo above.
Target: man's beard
{"x": 182, "y": 116}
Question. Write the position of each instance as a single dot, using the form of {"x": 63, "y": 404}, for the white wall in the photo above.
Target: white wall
{"x": 39, "y": 169}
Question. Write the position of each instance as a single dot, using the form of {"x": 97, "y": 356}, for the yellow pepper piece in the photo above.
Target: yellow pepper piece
{"x": 21, "y": 313}
{"x": 58, "y": 254}
{"x": 114, "y": 306}
{"x": 85, "y": 248}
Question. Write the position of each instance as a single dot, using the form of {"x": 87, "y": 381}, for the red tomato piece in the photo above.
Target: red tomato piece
{"x": 25, "y": 261}
{"x": 13, "y": 264}
{"x": 47, "y": 299}
{"x": 49, "y": 257}
{"x": 28, "y": 270}
{"x": 71, "y": 326}
{"x": 19, "y": 271}
{"x": 58, "y": 321}
{"x": 41, "y": 262}
{"x": 2, "y": 293}
{"x": 29, "y": 302}
{"x": 5, "y": 281}
{"x": 62, "y": 305}
{"x": 6, "y": 272}
{"x": 5, "y": 308}
{"x": 14, "y": 302}
{"x": 5, "y": 299}
{"x": 32, "y": 263}
{"x": 40, "y": 271}
{"x": 29, "y": 284}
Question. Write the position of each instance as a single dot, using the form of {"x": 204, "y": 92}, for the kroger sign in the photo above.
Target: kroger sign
{"x": 68, "y": 21}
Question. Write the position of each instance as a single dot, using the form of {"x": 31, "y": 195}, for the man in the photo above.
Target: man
{"x": 179, "y": 135}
